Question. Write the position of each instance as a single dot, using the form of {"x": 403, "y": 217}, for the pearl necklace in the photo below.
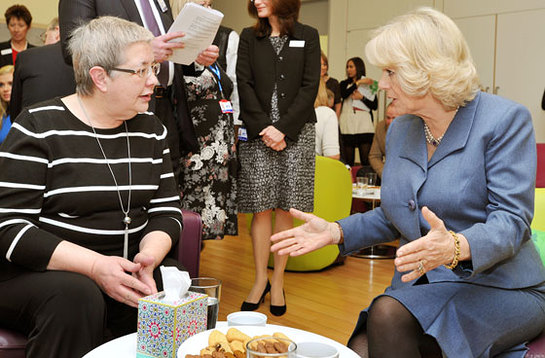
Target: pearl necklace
{"x": 126, "y": 219}
{"x": 430, "y": 138}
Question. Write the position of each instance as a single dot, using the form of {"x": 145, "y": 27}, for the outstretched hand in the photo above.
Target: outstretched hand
{"x": 432, "y": 250}
{"x": 314, "y": 234}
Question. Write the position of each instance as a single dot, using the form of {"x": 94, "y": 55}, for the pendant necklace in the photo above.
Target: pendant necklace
{"x": 126, "y": 219}
{"x": 430, "y": 138}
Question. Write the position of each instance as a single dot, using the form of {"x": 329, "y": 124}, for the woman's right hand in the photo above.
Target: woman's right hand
{"x": 113, "y": 274}
{"x": 314, "y": 234}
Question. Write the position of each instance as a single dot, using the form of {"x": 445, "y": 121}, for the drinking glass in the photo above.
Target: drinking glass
{"x": 372, "y": 179}
{"x": 255, "y": 348}
{"x": 361, "y": 183}
{"x": 211, "y": 287}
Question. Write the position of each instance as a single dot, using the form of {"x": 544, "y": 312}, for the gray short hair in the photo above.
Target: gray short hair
{"x": 428, "y": 53}
{"x": 102, "y": 42}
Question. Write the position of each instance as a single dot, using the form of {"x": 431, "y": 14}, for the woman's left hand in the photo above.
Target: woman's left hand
{"x": 434, "y": 249}
{"x": 273, "y": 138}
{"x": 145, "y": 274}
{"x": 208, "y": 56}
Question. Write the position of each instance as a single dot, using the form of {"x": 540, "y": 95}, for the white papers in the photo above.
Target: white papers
{"x": 200, "y": 25}
{"x": 366, "y": 91}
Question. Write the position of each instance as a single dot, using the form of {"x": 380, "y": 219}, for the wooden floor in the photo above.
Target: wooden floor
{"x": 326, "y": 302}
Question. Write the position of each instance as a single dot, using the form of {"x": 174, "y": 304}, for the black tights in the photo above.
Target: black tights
{"x": 392, "y": 331}
{"x": 350, "y": 153}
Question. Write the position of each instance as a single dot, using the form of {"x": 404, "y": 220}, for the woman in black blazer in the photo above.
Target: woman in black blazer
{"x": 278, "y": 72}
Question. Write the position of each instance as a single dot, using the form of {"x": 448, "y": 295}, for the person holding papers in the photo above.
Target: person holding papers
{"x": 278, "y": 73}
{"x": 356, "y": 121}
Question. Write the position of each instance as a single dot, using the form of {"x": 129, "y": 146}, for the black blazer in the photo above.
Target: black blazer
{"x": 296, "y": 70}
{"x": 74, "y": 12}
{"x": 5, "y": 57}
{"x": 40, "y": 74}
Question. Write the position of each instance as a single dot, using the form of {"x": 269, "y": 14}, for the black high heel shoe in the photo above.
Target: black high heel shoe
{"x": 247, "y": 306}
{"x": 279, "y": 310}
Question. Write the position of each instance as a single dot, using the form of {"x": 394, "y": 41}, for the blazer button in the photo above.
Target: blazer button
{"x": 412, "y": 205}
{"x": 282, "y": 95}
{"x": 282, "y": 77}
{"x": 280, "y": 58}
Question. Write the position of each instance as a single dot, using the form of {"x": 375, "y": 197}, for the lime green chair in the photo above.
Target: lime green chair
{"x": 332, "y": 201}
{"x": 538, "y": 223}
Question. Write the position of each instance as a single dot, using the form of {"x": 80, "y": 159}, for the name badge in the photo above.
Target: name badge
{"x": 163, "y": 5}
{"x": 297, "y": 43}
{"x": 242, "y": 134}
{"x": 6, "y": 51}
{"x": 226, "y": 106}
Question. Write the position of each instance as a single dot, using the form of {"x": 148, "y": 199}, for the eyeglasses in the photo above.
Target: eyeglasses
{"x": 43, "y": 36}
{"x": 142, "y": 72}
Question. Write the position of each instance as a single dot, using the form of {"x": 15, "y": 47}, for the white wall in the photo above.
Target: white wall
{"x": 313, "y": 13}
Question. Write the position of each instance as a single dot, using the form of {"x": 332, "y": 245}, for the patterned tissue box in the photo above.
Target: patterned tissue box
{"x": 162, "y": 327}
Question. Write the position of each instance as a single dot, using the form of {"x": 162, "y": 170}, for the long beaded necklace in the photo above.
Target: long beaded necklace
{"x": 126, "y": 219}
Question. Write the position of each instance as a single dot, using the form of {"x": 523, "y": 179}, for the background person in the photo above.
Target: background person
{"x": 278, "y": 72}
{"x": 327, "y": 125}
{"x": 468, "y": 281}
{"x": 41, "y": 73}
{"x": 6, "y": 80}
{"x": 227, "y": 41}
{"x": 377, "y": 153}
{"x": 53, "y": 33}
{"x": 80, "y": 175}
{"x": 18, "y": 21}
{"x": 356, "y": 122}
{"x": 332, "y": 84}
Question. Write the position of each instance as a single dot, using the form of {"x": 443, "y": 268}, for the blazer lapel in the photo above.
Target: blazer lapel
{"x": 415, "y": 150}
{"x": 132, "y": 11}
{"x": 457, "y": 133}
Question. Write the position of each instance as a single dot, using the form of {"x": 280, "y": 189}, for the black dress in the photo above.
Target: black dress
{"x": 208, "y": 184}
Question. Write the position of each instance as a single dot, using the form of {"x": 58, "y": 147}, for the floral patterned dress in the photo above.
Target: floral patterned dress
{"x": 208, "y": 182}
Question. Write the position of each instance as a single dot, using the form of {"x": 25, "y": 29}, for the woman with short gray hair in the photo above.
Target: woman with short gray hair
{"x": 88, "y": 202}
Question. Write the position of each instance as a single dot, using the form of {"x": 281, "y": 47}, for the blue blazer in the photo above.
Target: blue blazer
{"x": 480, "y": 181}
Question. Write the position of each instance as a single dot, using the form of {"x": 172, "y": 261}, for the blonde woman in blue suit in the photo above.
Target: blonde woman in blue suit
{"x": 458, "y": 192}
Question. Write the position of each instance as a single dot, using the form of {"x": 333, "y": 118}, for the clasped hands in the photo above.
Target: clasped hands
{"x": 273, "y": 138}
{"x": 163, "y": 49}
{"x": 123, "y": 280}
{"x": 426, "y": 253}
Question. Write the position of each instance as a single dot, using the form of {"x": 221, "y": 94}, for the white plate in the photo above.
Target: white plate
{"x": 199, "y": 341}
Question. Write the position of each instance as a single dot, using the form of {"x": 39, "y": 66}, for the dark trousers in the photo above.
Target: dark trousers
{"x": 65, "y": 314}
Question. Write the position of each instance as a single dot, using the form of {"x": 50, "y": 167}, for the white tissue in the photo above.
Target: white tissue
{"x": 176, "y": 283}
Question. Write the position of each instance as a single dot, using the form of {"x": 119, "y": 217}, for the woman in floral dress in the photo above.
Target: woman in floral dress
{"x": 208, "y": 183}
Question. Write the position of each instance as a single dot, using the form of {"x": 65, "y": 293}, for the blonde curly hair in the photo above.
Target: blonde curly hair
{"x": 428, "y": 53}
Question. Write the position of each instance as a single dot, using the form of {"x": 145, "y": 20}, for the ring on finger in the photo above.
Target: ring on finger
{"x": 420, "y": 268}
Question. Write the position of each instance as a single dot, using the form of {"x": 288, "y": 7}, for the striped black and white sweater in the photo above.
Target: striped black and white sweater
{"x": 55, "y": 185}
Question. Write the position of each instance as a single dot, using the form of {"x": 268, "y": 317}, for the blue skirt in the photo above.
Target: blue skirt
{"x": 469, "y": 320}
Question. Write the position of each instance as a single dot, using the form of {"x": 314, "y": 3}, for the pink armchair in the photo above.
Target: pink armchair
{"x": 188, "y": 252}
